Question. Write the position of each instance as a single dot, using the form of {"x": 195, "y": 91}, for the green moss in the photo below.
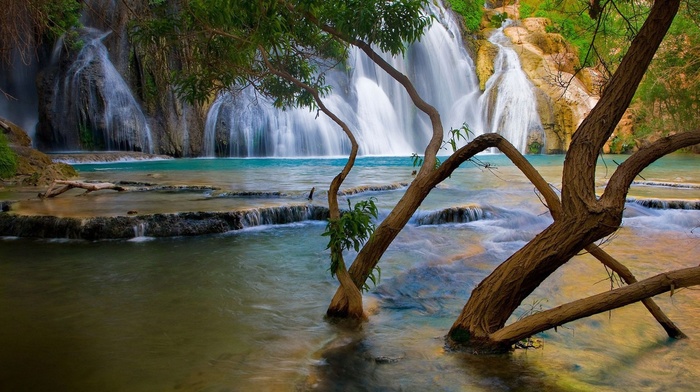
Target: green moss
{"x": 498, "y": 19}
{"x": 8, "y": 159}
{"x": 534, "y": 148}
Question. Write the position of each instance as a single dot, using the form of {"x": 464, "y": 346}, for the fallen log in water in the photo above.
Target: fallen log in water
{"x": 55, "y": 190}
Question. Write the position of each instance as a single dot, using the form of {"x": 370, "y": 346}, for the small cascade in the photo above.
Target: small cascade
{"x": 509, "y": 103}
{"x": 677, "y": 185}
{"x": 140, "y": 229}
{"x": 156, "y": 225}
{"x": 666, "y": 204}
{"x": 282, "y": 215}
{"x": 463, "y": 214}
{"x": 96, "y": 106}
{"x": 374, "y": 105}
{"x": 372, "y": 188}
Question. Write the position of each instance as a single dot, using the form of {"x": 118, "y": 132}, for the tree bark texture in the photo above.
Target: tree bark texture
{"x": 579, "y": 220}
{"x": 578, "y": 189}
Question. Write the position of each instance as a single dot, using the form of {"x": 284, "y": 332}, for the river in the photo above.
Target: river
{"x": 244, "y": 310}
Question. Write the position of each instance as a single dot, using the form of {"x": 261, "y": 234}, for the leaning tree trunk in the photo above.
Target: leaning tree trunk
{"x": 493, "y": 301}
{"x": 584, "y": 218}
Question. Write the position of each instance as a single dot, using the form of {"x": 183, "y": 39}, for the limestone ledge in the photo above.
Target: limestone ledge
{"x": 154, "y": 225}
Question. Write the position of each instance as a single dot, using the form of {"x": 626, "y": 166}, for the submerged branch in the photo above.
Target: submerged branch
{"x": 598, "y": 303}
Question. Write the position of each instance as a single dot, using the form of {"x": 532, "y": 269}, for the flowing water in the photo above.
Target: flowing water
{"x": 244, "y": 310}
{"x": 93, "y": 108}
{"x": 96, "y": 103}
{"x": 508, "y": 88}
{"x": 377, "y": 108}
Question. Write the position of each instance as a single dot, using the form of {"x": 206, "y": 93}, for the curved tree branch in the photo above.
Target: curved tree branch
{"x": 619, "y": 184}
{"x": 433, "y": 147}
{"x": 669, "y": 326}
{"x": 578, "y": 192}
{"x": 435, "y": 143}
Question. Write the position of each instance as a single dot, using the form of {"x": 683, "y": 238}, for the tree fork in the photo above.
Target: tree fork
{"x": 554, "y": 205}
{"x": 578, "y": 191}
{"x": 493, "y": 299}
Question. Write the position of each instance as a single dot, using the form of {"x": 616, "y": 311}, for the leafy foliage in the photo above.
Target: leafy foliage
{"x": 61, "y": 16}
{"x": 668, "y": 100}
{"x": 24, "y": 24}
{"x": 498, "y": 19}
{"x": 350, "y": 231}
{"x": 455, "y": 135}
{"x": 8, "y": 159}
{"x": 597, "y": 40}
{"x": 471, "y": 10}
{"x": 272, "y": 45}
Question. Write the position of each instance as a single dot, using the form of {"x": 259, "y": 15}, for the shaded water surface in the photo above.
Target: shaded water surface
{"x": 244, "y": 310}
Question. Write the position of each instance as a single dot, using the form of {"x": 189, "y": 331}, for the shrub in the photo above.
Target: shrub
{"x": 8, "y": 159}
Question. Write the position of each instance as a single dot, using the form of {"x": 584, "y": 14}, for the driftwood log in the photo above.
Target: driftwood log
{"x": 61, "y": 186}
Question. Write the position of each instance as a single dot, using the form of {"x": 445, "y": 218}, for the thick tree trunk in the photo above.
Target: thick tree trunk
{"x": 583, "y": 218}
{"x": 496, "y": 297}
{"x": 578, "y": 185}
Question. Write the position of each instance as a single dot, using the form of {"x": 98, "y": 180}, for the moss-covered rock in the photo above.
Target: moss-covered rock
{"x": 33, "y": 167}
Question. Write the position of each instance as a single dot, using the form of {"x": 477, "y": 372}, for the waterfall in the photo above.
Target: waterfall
{"x": 509, "y": 102}
{"x": 18, "y": 101}
{"x": 89, "y": 106}
{"x": 92, "y": 106}
{"x": 374, "y": 105}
